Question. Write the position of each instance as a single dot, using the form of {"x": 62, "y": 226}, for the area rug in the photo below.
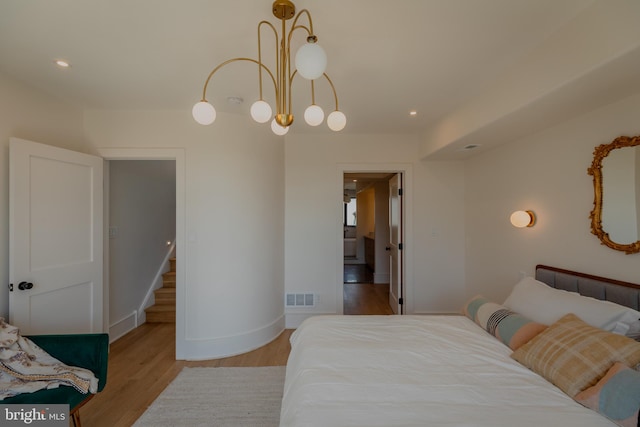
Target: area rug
{"x": 219, "y": 397}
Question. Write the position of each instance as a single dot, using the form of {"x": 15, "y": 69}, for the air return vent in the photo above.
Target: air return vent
{"x": 300, "y": 300}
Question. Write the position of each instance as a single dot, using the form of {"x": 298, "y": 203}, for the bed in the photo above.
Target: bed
{"x": 447, "y": 370}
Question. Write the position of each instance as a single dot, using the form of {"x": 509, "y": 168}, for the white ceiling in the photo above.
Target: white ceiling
{"x": 385, "y": 57}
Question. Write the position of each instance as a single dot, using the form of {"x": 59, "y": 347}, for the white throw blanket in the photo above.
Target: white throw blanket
{"x": 26, "y": 368}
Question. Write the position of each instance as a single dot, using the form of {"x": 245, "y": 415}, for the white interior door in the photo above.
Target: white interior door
{"x": 395, "y": 244}
{"x": 55, "y": 235}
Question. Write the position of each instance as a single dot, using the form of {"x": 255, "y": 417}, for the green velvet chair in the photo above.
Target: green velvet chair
{"x": 89, "y": 351}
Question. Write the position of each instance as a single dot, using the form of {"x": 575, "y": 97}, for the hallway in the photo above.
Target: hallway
{"x": 361, "y": 295}
{"x": 357, "y": 273}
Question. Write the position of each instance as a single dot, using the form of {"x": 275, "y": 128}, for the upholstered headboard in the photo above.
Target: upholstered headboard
{"x": 623, "y": 293}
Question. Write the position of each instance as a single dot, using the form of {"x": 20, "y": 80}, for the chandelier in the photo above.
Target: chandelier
{"x": 310, "y": 63}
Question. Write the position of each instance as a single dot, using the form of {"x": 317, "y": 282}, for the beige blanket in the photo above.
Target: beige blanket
{"x": 26, "y": 368}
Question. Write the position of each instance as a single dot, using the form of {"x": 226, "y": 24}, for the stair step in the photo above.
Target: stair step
{"x": 165, "y": 296}
{"x": 164, "y": 310}
{"x": 169, "y": 279}
{"x": 161, "y": 313}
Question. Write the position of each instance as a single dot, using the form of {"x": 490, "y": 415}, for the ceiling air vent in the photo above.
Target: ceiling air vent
{"x": 300, "y": 300}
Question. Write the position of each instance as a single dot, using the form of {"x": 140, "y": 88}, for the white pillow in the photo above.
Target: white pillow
{"x": 634, "y": 330}
{"x": 544, "y": 304}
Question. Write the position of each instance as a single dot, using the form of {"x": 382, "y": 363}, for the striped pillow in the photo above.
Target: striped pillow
{"x": 511, "y": 328}
{"x": 573, "y": 355}
{"x": 616, "y": 396}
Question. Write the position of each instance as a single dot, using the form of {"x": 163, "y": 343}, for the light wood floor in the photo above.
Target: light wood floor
{"x": 142, "y": 363}
{"x": 366, "y": 298}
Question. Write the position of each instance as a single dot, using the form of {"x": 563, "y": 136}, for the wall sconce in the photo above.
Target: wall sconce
{"x": 523, "y": 219}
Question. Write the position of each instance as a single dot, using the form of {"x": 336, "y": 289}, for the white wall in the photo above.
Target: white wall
{"x": 313, "y": 219}
{"x": 365, "y": 221}
{"x": 232, "y": 299}
{"x": 381, "y": 275}
{"x": 142, "y": 215}
{"x": 546, "y": 173}
{"x": 28, "y": 114}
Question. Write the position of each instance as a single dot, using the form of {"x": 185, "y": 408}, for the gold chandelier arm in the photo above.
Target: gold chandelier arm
{"x": 290, "y": 85}
{"x": 297, "y": 27}
{"x": 309, "y": 31}
{"x": 285, "y": 67}
{"x": 306, "y": 12}
{"x": 333, "y": 88}
{"x": 293, "y": 28}
{"x": 304, "y": 27}
{"x": 335, "y": 95}
{"x": 229, "y": 61}
{"x": 260, "y": 52}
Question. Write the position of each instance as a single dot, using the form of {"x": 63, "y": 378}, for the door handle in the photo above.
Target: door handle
{"x": 25, "y": 285}
{"x": 388, "y": 248}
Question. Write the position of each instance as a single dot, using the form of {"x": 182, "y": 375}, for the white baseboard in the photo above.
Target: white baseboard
{"x": 123, "y": 326}
{"x": 216, "y": 348}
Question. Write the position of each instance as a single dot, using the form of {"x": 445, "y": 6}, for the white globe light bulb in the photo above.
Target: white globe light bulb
{"x": 313, "y": 115}
{"x": 311, "y": 61}
{"x": 277, "y": 129}
{"x": 204, "y": 113}
{"x": 261, "y": 111}
{"x": 336, "y": 121}
{"x": 522, "y": 219}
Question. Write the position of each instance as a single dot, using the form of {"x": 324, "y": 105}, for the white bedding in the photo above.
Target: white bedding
{"x": 415, "y": 371}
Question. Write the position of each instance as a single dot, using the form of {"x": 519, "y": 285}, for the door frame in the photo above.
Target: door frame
{"x": 177, "y": 154}
{"x": 407, "y": 230}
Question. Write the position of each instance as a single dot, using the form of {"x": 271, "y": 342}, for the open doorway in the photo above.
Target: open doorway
{"x": 366, "y": 243}
{"x": 142, "y": 232}
{"x": 178, "y": 156}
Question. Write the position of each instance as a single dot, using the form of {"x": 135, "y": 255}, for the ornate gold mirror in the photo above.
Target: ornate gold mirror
{"x": 615, "y": 218}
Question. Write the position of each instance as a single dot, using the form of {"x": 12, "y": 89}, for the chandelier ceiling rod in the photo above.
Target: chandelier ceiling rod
{"x": 310, "y": 63}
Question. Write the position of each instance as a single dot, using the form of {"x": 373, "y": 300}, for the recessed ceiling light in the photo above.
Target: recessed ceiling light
{"x": 413, "y": 113}
{"x": 62, "y": 63}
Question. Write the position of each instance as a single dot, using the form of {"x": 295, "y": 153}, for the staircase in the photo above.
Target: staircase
{"x": 164, "y": 310}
